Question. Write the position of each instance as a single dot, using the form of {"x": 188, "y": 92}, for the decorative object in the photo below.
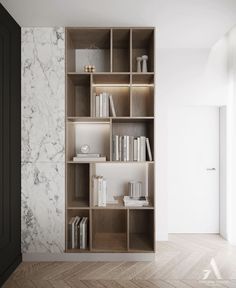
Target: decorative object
{"x": 85, "y": 148}
{"x": 144, "y": 63}
{"x": 139, "y": 59}
{"x": 89, "y": 68}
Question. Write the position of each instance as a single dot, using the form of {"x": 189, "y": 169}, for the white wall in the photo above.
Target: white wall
{"x": 184, "y": 77}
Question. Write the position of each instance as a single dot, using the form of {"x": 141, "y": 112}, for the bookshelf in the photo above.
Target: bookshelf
{"x": 113, "y": 51}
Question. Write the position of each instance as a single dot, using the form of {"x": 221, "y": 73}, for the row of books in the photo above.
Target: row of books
{"x": 78, "y": 231}
{"x": 135, "y": 201}
{"x": 104, "y": 105}
{"x": 99, "y": 187}
{"x": 129, "y": 148}
{"x": 87, "y": 157}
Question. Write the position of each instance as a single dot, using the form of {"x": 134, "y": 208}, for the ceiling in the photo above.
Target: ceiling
{"x": 180, "y": 23}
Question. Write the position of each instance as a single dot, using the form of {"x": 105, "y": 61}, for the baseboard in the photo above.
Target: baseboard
{"x": 10, "y": 270}
{"x": 48, "y": 257}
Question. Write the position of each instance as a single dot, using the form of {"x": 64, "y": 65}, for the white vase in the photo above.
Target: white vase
{"x": 144, "y": 66}
{"x": 139, "y": 59}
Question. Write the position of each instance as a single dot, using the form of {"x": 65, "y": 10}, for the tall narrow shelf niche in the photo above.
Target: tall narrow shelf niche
{"x": 113, "y": 227}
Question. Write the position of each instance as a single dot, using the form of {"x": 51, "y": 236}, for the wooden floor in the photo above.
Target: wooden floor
{"x": 184, "y": 261}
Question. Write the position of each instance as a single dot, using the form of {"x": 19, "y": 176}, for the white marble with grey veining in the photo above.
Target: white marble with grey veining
{"x": 43, "y": 207}
{"x": 43, "y": 140}
{"x": 43, "y": 94}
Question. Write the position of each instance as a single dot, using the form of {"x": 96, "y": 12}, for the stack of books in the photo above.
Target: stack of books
{"x": 135, "y": 201}
{"x": 99, "y": 191}
{"x": 78, "y": 231}
{"x": 103, "y": 102}
{"x": 88, "y": 157}
{"x": 129, "y": 148}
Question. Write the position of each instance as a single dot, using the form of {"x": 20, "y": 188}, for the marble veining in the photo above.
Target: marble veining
{"x": 43, "y": 207}
{"x": 43, "y": 90}
{"x": 43, "y": 140}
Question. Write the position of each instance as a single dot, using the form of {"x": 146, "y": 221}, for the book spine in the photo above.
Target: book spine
{"x": 73, "y": 236}
{"x": 124, "y": 146}
{"x": 131, "y": 148}
{"x": 112, "y": 107}
{"x": 127, "y": 148}
{"x": 142, "y": 148}
{"x": 120, "y": 148}
{"x": 95, "y": 191}
{"x": 97, "y": 101}
{"x": 135, "y": 149}
{"x": 107, "y": 105}
{"x": 115, "y": 147}
{"x": 138, "y": 149}
{"x": 104, "y": 193}
{"x": 100, "y": 180}
{"x": 104, "y": 104}
{"x": 100, "y": 105}
{"x": 149, "y": 149}
{"x": 81, "y": 234}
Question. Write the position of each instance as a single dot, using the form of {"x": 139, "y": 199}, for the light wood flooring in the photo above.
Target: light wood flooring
{"x": 185, "y": 261}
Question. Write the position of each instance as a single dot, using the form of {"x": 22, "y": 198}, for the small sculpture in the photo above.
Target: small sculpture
{"x": 89, "y": 68}
{"x": 139, "y": 59}
{"x": 144, "y": 66}
{"x": 85, "y": 149}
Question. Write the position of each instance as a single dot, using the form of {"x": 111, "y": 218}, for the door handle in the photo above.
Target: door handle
{"x": 211, "y": 169}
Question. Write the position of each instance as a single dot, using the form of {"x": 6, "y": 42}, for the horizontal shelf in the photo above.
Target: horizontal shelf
{"x": 78, "y": 250}
{"x": 110, "y": 73}
{"x": 112, "y": 206}
{"x": 107, "y": 119}
{"x": 110, "y": 162}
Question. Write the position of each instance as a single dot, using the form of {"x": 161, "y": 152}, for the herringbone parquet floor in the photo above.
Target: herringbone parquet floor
{"x": 184, "y": 261}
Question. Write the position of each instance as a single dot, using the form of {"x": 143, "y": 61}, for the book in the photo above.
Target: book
{"x": 149, "y": 149}
{"x": 95, "y": 190}
{"x": 76, "y": 236}
{"x": 132, "y": 202}
{"x": 135, "y": 149}
{"x": 142, "y": 148}
{"x": 115, "y": 147}
{"x": 84, "y": 155}
{"x": 70, "y": 231}
{"x": 112, "y": 108}
{"x": 100, "y": 105}
{"x": 131, "y": 148}
{"x": 97, "y": 110}
{"x": 89, "y": 159}
{"x": 138, "y": 149}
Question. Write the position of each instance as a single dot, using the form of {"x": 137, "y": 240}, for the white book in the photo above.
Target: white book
{"x": 127, "y": 148}
{"x": 84, "y": 155}
{"x": 89, "y": 159}
{"x": 104, "y": 193}
{"x": 135, "y": 149}
{"x": 142, "y": 148}
{"x": 85, "y": 233}
{"x": 74, "y": 227}
{"x": 115, "y": 147}
{"x": 100, "y": 191}
{"x": 100, "y": 105}
{"x": 104, "y": 104}
{"x": 95, "y": 191}
{"x": 97, "y": 104}
{"x": 120, "y": 148}
{"x": 149, "y": 149}
{"x": 131, "y": 148}
{"x": 112, "y": 107}
{"x": 138, "y": 149}
{"x": 107, "y": 105}
{"x": 124, "y": 148}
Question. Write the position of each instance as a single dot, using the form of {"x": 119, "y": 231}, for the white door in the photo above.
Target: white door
{"x": 193, "y": 169}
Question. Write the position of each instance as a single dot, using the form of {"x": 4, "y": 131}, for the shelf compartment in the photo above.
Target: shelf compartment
{"x": 109, "y": 230}
{"x": 78, "y": 96}
{"x": 143, "y": 44}
{"x": 88, "y": 46}
{"x": 121, "y": 50}
{"x": 142, "y": 101}
{"x": 135, "y": 127}
{"x": 78, "y": 185}
{"x": 80, "y": 213}
{"x": 95, "y": 134}
{"x": 141, "y": 230}
{"x": 119, "y": 175}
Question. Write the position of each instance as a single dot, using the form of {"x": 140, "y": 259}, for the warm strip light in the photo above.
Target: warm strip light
{"x": 123, "y": 85}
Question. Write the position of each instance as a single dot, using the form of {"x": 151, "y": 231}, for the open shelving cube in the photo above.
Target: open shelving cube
{"x": 141, "y": 230}
{"x": 109, "y": 230}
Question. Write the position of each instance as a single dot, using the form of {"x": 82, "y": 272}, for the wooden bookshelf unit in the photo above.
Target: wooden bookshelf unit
{"x": 113, "y": 51}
